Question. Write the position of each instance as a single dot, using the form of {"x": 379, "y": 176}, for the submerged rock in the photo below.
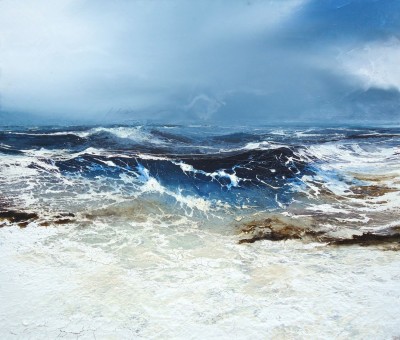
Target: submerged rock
{"x": 279, "y": 229}
{"x": 20, "y": 217}
{"x": 23, "y": 218}
{"x": 275, "y": 229}
{"x": 368, "y": 239}
{"x": 370, "y": 191}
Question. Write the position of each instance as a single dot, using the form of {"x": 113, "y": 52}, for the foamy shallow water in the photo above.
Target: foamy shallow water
{"x": 154, "y": 280}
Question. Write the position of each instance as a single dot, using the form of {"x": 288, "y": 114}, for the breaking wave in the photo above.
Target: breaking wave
{"x": 347, "y": 177}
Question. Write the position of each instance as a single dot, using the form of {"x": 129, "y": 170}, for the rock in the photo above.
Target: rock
{"x": 370, "y": 191}
{"x": 275, "y": 229}
{"x": 17, "y": 217}
{"x": 278, "y": 229}
{"x": 368, "y": 239}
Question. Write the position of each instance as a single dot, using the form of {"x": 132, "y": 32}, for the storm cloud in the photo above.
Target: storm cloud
{"x": 208, "y": 61}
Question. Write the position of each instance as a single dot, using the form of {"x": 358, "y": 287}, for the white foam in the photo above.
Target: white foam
{"x": 265, "y": 145}
{"x": 136, "y": 133}
{"x": 216, "y": 175}
{"x": 157, "y": 279}
{"x": 186, "y": 202}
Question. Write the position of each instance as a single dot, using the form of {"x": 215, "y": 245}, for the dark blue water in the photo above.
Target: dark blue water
{"x": 261, "y": 168}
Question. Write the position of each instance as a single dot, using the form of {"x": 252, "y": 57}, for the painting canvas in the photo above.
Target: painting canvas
{"x": 211, "y": 169}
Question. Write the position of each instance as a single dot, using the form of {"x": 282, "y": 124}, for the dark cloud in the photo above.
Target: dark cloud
{"x": 352, "y": 21}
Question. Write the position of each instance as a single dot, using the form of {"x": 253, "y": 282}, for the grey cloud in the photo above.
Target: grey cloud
{"x": 176, "y": 61}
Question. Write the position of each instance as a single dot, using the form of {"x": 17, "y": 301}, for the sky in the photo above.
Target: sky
{"x": 212, "y": 61}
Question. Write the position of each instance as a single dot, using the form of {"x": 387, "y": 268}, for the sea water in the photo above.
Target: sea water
{"x": 199, "y": 232}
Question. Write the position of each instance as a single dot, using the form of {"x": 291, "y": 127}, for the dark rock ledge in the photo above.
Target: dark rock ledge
{"x": 275, "y": 229}
{"x": 23, "y": 218}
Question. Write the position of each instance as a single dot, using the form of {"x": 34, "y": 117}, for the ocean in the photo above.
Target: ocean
{"x": 180, "y": 231}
